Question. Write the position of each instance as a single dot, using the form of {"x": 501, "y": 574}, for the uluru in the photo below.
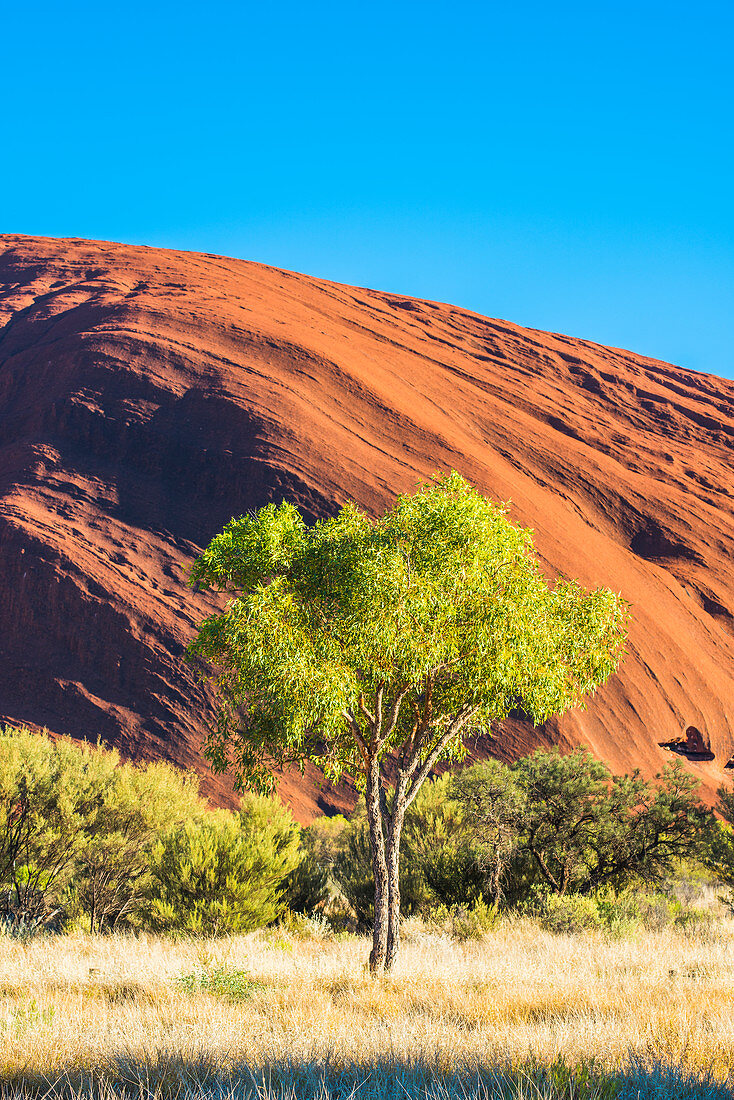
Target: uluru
{"x": 147, "y": 395}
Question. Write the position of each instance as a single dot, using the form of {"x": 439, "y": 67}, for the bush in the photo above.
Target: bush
{"x": 303, "y": 927}
{"x": 235, "y": 985}
{"x": 565, "y": 823}
{"x": 112, "y": 865}
{"x": 225, "y": 874}
{"x": 464, "y": 923}
{"x": 307, "y": 886}
{"x": 49, "y": 801}
{"x": 441, "y": 865}
{"x": 568, "y": 914}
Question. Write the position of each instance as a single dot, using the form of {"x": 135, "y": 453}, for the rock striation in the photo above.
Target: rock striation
{"x": 146, "y": 396}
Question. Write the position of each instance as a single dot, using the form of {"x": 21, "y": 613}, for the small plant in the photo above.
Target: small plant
{"x": 583, "y": 1080}
{"x": 465, "y": 923}
{"x": 316, "y": 926}
{"x": 26, "y": 1017}
{"x": 278, "y": 942}
{"x": 567, "y": 914}
{"x": 235, "y": 985}
{"x": 22, "y": 926}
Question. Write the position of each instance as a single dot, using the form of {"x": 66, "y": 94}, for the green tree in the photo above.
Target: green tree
{"x": 566, "y": 822}
{"x": 112, "y": 863}
{"x": 492, "y": 807}
{"x": 719, "y": 854}
{"x": 226, "y": 873}
{"x": 356, "y": 641}
{"x": 50, "y": 794}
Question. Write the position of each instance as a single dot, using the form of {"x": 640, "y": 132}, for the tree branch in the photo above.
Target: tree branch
{"x": 394, "y": 713}
{"x": 460, "y": 720}
{"x": 366, "y": 712}
{"x": 357, "y": 734}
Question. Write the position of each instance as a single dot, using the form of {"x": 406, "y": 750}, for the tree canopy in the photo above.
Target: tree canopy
{"x": 356, "y": 640}
{"x": 435, "y": 610}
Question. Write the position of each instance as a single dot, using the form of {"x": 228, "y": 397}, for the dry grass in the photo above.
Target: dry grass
{"x": 520, "y": 995}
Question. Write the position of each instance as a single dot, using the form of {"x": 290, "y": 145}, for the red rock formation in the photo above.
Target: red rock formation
{"x": 146, "y": 396}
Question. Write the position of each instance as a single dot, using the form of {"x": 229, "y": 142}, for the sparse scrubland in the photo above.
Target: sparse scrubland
{"x": 620, "y": 985}
{"x": 518, "y": 1012}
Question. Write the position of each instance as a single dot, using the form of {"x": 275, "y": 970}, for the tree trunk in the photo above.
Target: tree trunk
{"x": 393, "y": 876}
{"x": 378, "y": 954}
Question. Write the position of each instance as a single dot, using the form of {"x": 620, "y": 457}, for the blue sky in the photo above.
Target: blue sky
{"x": 568, "y": 166}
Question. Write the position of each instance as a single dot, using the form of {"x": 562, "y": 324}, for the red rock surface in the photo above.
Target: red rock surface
{"x": 147, "y": 395}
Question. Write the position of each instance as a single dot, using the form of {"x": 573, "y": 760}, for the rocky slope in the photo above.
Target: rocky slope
{"x": 146, "y": 396}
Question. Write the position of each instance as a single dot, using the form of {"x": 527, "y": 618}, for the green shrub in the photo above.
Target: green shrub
{"x": 235, "y": 985}
{"x": 49, "y": 801}
{"x": 306, "y": 927}
{"x": 112, "y": 865}
{"x": 441, "y": 864}
{"x": 307, "y": 886}
{"x": 565, "y": 823}
{"x": 224, "y": 874}
{"x": 568, "y": 914}
{"x": 464, "y": 923}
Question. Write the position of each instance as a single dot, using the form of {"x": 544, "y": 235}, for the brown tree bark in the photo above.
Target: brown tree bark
{"x": 385, "y": 824}
{"x": 378, "y": 953}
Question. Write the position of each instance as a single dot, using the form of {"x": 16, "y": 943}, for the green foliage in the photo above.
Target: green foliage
{"x": 719, "y": 852}
{"x": 568, "y": 914}
{"x": 441, "y": 865}
{"x": 308, "y": 886}
{"x": 225, "y": 873}
{"x": 565, "y": 822}
{"x": 221, "y": 981}
{"x": 442, "y": 589}
{"x": 86, "y": 838}
{"x": 464, "y": 923}
{"x": 49, "y": 800}
{"x": 25, "y": 1017}
{"x": 353, "y": 872}
{"x": 491, "y": 805}
{"x": 616, "y": 913}
{"x": 113, "y": 860}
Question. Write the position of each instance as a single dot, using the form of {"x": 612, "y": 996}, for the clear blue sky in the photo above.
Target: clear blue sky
{"x": 565, "y": 165}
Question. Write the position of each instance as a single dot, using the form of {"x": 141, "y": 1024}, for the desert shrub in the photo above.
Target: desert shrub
{"x": 49, "y": 801}
{"x": 112, "y": 865}
{"x": 304, "y": 926}
{"x": 567, "y": 914}
{"x": 353, "y": 872}
{"x": 491, "y": 804}
{"x": 225, "y": 873}
{"x": 565, "y": 823}
{"x": 307, "y": 886}
{"x": 719, "y": 851}
{"x": 76, "y": 831}
{"x": 441, "y": 863}
{"x": 616, "y": 913}
{"x": 221, "y": 981}
{"x": 465, "y": 922}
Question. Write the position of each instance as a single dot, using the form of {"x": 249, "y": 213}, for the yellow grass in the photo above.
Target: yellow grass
{"x": 80, "y": 1001}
